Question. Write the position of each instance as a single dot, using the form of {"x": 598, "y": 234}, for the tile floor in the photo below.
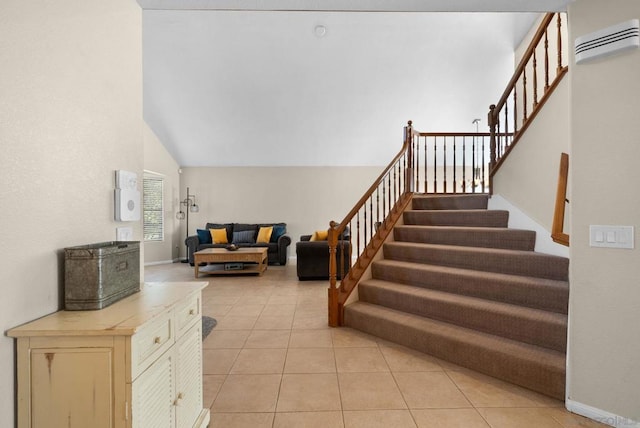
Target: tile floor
{"x": 272, "y": 361}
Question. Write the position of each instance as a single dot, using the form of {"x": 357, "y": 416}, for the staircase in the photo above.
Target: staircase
{"x": 457, "y": 284}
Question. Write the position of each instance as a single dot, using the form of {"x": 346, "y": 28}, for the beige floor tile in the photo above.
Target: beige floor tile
{"x": 519, "y": 418}
{"x": 279, "y": 310}
{"x": 253, "y": 300}
{"x": 216, "y": 311}
{"x": 274, "y": 323}
{"x": 308, "y": 420}
{"x": 218, "y": 361}
{"x": 230, "y": 322}
{"x": 259, "y": 361}
{"x": 287, "y": 299}
{"x": 308, "y": 322}
{"x": 246, "y": 307}
{"x": 210, "y": 386}
{"x": 430, "y": 390}
{"x": 448, "y": 418}
{"x": 345, "y": 337}
{"x": 378, "y": 419}
{"x": 241, "y": 420}
{"x": 310, "y": 339}
{"x": 571, "y": 420}
{"x": 226, "y": 339}
{"x": 309, "y": 392}
{"x": 268, "y": 339}
{"x": 485, "y": 391}
{"x": 360, "y": 360}
{"x": 310, "y": 360}
{"x": 240, "y": 310}
{"x": 248, "y": 393}
{"x": 208, "y": 300}
{"x": 401, "y": 359}
{"x": 369, "y": 391}
{"x": 314, "y": 306}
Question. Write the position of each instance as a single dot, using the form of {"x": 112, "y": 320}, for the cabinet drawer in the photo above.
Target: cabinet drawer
{"x": 153, "y": 339}
{"x": 187, "y": 313}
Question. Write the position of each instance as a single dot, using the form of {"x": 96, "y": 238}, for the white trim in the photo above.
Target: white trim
{"x": 601, "y": 416}
{"x": 518, "y": 219}
{"x": 162, "y": 262}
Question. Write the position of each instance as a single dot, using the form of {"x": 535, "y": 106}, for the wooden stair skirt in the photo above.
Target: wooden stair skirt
{"x": 459, "y": 285}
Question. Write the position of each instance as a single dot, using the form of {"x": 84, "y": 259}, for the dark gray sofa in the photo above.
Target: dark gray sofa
{"x": 277, "y": 246}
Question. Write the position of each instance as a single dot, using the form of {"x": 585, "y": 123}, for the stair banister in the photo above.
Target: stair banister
{"x": 502, "y": 141}
{"x": 397, "y": 196}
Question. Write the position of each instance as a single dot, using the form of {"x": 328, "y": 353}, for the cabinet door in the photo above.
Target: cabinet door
{"x": 189, "y": 377}
{"x": 71, "y": 387}
{"x": 153, "y": 395}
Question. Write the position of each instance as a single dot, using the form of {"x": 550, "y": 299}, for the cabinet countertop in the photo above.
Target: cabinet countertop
{"x": 119, "y": 319}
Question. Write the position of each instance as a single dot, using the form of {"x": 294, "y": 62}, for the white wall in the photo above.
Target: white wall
{"x": 306, "y": 198}
{"x": 529, "y": 176}
{"x": 71, "y": 115}
{"x": 159, "y": 162}
{"x": 604, "y": 332}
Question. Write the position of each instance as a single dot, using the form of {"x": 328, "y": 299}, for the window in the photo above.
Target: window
{"x": 152, "y": 208}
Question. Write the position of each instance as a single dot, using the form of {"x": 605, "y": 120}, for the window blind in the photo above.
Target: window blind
{"x": 153, "y": 208}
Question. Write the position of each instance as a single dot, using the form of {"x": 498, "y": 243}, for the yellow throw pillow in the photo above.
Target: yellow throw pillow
{"x": 264, "y": 234}
{"x": 219, "y": 236}
{"x": 320, "y": 235}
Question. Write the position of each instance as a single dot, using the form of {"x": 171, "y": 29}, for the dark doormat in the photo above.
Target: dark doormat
{"x": 208, "y": 324}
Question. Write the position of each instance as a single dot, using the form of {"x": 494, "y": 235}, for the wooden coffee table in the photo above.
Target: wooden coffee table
{"x": 254, "y": 261}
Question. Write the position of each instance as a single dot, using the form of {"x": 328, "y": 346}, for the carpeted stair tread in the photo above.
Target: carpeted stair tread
{"x": 449, "y": 202}
{"x": 533, "y": 326}
{"x": 527, "y": 263}
{"x": 540, "y": 293}
{"x": 533, "y": 367}
{"x": 473, "y": 218}
{"x": 489, "y": 237}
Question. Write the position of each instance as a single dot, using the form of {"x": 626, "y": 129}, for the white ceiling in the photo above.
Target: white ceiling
{"x": 263, "y": 88}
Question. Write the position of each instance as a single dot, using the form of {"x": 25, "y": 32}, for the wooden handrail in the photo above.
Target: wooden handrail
{"x": 557, "y": 229}
{"x": 535, "y": 41}
{"x": 396, "y": 193}
{"x": 513, "y": 125}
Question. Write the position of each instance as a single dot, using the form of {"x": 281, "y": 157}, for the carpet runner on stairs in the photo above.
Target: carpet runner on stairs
{"x": 456, "y": 283}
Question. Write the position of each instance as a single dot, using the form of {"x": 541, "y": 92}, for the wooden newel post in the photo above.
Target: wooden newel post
{"x": 334, "y": 307}
{"x": 408, "y": 141}
{"x": 492, "y": 120}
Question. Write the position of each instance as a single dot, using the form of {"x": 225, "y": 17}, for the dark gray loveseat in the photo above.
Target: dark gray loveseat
{"x": 277, "y": 246}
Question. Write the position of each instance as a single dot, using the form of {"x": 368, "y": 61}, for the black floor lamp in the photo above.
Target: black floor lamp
{"x": 190, "y": 206}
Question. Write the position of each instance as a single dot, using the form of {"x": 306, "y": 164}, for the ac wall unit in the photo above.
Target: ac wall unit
{"x": 607, "y": 41}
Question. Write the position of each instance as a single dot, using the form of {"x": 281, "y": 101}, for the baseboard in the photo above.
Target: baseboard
{"x": 163, "y": 262}
{"x": 601, "y": 416}
{"x": 520, "y": 220}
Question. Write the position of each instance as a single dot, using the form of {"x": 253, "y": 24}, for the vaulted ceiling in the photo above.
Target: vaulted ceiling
{"x": 302, "y": 82}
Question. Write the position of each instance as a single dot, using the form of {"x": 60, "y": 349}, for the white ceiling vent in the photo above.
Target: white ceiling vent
{"x": 607, "y": 41}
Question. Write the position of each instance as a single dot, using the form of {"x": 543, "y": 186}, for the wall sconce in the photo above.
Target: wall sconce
{"x": 190, "y": 206}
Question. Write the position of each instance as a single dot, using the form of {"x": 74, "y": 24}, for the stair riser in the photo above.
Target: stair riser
{"x": 530, "y": 373}
{"x": 461, "y": 202}
{"x": 457, "y": 218}
{"x": 549, "y": 332}
{"x": 514, "y": 291}
{"x": 527, "y": 264}
{"x": 506, "y": 239}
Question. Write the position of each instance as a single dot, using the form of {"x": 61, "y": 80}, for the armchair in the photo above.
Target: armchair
{"x": 313, "y": 257}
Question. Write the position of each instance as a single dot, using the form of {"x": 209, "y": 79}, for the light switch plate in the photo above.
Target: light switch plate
{"x": 124, "y": 234}
{"x": 611, "y": 236}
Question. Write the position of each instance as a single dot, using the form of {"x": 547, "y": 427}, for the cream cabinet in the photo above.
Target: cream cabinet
{"x": 134, "y": 364}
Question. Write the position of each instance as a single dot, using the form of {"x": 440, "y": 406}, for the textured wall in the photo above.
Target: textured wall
{"x": 604, "y": 368}
{"x": 70, "y": 115}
